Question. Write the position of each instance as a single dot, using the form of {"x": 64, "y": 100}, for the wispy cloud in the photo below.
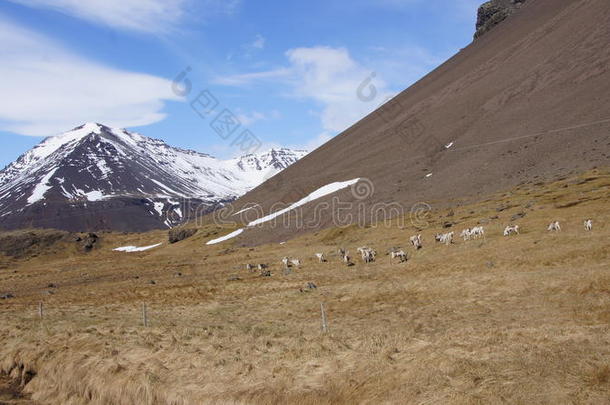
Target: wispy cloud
{"x": 149, "y": 16}
{"x": 328, "y": 76}
{"x": 48, "y": 89}
{"x": 246, "y": 78}
{"x": 346, "y": 89}
{"x": 249, "y": 119}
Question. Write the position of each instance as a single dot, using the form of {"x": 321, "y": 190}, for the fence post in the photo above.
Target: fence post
{"x": 144, "y": 315}
{"x": 40, "y": 312}
{"x": 324, "y": 320}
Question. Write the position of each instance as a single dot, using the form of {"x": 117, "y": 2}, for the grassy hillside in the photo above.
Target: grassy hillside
{"x": 517, "y": 320}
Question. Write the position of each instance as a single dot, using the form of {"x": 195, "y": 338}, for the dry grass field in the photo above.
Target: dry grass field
{"x": 517, "y": 320}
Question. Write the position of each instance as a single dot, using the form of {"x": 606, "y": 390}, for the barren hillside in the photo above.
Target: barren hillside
{"x": 528, "y": 101}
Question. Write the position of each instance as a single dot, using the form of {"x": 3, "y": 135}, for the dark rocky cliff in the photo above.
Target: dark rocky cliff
{"x": 494, "y": 12}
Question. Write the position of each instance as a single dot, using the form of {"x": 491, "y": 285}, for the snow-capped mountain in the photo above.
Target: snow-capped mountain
{"x": 96, "y": 177}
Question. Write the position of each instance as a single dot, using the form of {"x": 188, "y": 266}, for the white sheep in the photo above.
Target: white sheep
{"x": 446, "y": 238}
{"x": 477, "y": 232}
{"x": 399, "y": 254}
{"x": 554, "y": 227}
{"x": 466, "y": 234}
{"x": 510, "y": 229}
{"x": 368, "y": 255}
{"x": 416, "y": 241}
{"x": 346, "y": 259}
{"x": 588, "y": 225}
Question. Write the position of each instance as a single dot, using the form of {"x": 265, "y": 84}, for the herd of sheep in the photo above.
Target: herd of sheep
{"x": 369, "y": 255}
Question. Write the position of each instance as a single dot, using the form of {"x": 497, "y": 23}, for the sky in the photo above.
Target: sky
{"x": 200, "y": 74}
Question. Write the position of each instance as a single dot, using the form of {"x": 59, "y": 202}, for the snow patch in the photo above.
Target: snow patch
{"x": 319, "y": 193}
{"x": 244, "y": 210}
{"x": 226, "y": 237}
{"x": 132, "y": 249}
{"x": 159, "y": 208}
{"x": 41, "y": 188}
{"x": 95, "y": 195}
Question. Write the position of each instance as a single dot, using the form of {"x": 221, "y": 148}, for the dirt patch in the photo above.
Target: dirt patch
{"x": 11, "y": 394}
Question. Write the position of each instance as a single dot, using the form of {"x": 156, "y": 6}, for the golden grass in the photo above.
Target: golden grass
{"x": 517, "y": 320}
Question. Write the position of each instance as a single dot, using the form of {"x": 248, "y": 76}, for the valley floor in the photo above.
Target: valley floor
{"x": 522, "y": 319}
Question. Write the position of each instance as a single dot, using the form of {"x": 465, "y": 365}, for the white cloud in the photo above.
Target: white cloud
{"x": 138, "y": 15}
{"x": 47, "y": 89}
{"x": 149, "y": 16}
{"x": 241, "y": 79}
{"x": 249, "y": 119}
{"x": 345, "y": 89}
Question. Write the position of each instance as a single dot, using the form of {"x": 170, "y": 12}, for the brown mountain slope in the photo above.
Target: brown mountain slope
{"x": 528, "y": 101}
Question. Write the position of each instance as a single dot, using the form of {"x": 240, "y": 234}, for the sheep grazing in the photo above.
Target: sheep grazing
{"x": 263, "y": 266}
{"x": 295, "y": 262}
{"x": 368, "y": 255}
{"x": 449, "y": 238}
{"x": 466, "y": 234}
{"x": 510, "y": 229}
{"x": 346, "y": 259}
{"x": 399, "y": 254}
{"x": 286, "y": 262}
{"x": 416, "y": 241}
{"x": 477, "y": 232}
{"x": 321, "y": 257}
{"x": 442, "y": 238}
{"x": 249, "y": 267}
{"x": 588, "y": 225}
{"x": 554, "y": 227}
{"x": 446, "y": 238}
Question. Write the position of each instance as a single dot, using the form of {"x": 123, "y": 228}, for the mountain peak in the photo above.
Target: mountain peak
{"x": 96, "y": 165}
{"x": 50, "y": 144}
{"x": 92, "y": 127}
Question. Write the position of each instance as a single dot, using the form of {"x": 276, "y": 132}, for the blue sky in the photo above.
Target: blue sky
{"x": 294, "y": 73}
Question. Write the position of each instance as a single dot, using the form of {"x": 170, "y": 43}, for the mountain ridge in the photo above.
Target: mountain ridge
{"x": 96, "y": 164}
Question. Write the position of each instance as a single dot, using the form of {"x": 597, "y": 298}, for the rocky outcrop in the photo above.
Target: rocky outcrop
{"x": 494, "y": 12}
{"x": 89, "y": 241}
{"x": 28, "y": 243}
{"x": 180, "y": 234}
{"x": 32, "y": 243}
